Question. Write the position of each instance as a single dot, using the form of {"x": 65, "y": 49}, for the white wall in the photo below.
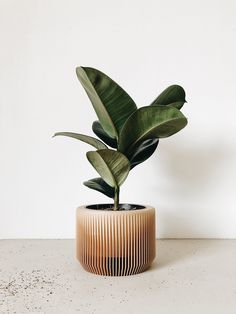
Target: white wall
{"x": 145, "y": 46}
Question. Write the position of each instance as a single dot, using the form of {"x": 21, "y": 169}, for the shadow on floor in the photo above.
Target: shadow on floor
{"x": 171, "y": 251}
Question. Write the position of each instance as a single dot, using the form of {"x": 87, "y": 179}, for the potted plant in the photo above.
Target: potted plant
{"x": 119, "y": 239}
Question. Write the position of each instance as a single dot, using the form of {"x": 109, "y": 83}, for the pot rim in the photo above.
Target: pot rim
{"x": 126, "y": 211}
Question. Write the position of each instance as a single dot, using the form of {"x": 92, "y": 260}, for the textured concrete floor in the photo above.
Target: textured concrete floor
{"x": 188, "y": 277}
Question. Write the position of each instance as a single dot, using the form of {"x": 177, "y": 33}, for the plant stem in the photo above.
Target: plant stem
{"x": 116, "y": 198}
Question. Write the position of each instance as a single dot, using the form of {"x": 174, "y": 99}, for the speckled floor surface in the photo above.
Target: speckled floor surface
{"x": 188, "y": 276}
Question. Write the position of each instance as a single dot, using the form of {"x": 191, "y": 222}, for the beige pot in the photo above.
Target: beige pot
{"x": 115, "y": 243}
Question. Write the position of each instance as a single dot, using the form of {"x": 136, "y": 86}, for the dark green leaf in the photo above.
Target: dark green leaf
{"x": 112, "y": 104}
{"x": 98, "y": 130}
{"x": 149, "y": 123}
{"x": 112, "y": 166}
{"x": 100, "y": 185}
{"x": 84, "y": 138}
{"x": 173, "y": 95}
{"x": 177, "y": 104}
{"x": 143, "y": 152}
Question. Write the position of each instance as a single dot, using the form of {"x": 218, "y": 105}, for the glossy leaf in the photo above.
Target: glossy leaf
{"x": 177, "y": 104}
{"x": 173, "y": 95}
{"x": 149, "y": 123}
{"x": 143, "y": 152}
{"x": 84, "y": 138}
{"x": 98, "y": 130}
{"x": 100, "y": 185}
{"x": 112, "y": 104}
{"x": 112, "y": 166}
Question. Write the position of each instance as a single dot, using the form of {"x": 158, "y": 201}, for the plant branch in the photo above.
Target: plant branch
{"x": 116, "y": 198}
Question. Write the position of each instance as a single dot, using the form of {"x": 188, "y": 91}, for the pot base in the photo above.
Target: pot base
{"x": 115, "y": 243}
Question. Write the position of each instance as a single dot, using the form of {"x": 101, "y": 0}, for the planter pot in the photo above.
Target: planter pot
{"x": 115, "y": 243}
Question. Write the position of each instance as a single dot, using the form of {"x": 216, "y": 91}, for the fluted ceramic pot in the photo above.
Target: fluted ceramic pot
{"x": 115, "y": 243}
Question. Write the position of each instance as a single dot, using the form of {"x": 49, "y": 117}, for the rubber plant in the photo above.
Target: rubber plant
{"x": 127, "y": 135}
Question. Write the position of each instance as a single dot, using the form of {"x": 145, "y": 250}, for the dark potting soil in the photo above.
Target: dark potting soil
{"x": 111, "y": 207}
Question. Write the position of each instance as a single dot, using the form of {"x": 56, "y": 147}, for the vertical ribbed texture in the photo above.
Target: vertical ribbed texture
{"x": 115, "y": 243}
